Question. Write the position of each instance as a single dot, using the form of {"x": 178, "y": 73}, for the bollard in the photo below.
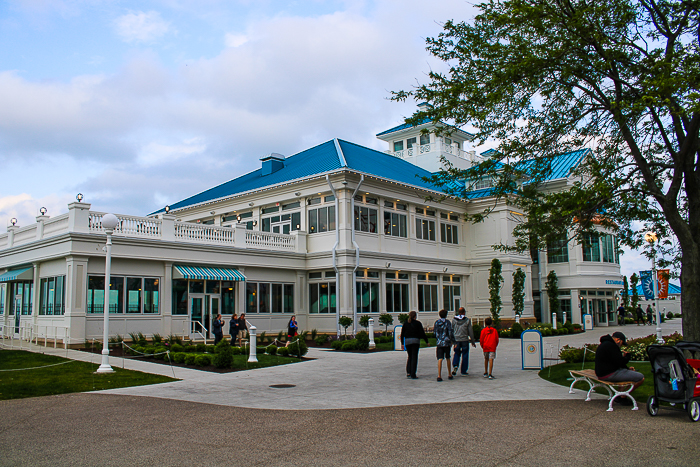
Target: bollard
{"x": 253, "y": 344}
{"x": 517, "y": 319}
{"x": 554, "y": 320}
{"x": 564, "y": 313}
{"x": 371, "y": 334}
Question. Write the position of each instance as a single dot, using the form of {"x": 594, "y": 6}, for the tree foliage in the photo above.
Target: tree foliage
{"x": 625, "y": 292}
{"x": 387, "y": 320}
{"x": 552, "y": 288}
{"x": 518, "y": 291}
{"x": 345, "y": 322}
{"x": 495, "y": 282}
{"x": 634, "y": 280}
{"x": 543, "y": 78}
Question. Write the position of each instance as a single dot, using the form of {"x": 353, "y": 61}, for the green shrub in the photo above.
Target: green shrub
{"x": 157, "y": 338}
{"x": 349, "y": 345}
{"x": 149, "y": 349}
{"x": 179, "y": 357}
{"x": 516, "y": 330}
{"x": 575, "y": 354}
{"x": 159, "y": 353}
{"x": 314, "y": 333}
{"x": 384, "y": 339}
{"x": 271, "y": 349}
{"x": 477, "y": 331}
{"x": 177, "y": 348}
{"x": 136, "y": 350}
{"x": 283, "y": 352}
{"x": 304, "y": 336}
{"x": 298, "y": 348}
{"x": 134, "y": 337}
{"x": 224, "y": 357}
{"x": 576, "y": 327}
{"x": 669, "y": 315}
{"x": 262, "y": 338}
{"x": 320, "y": 340}
{"x": 280, "y": 335}
{"x": 504, "y": 333}
{"x": 211, "y": 348}
{"x": 202, "y": 360}
{"x": 362, "y": 339}
{"x": 223, "y": 344}
{"x": 677, "y": 315}
{"x": 190, "y": 358}
{"x": 115, "y": 339}
{"x": 335, "y": 345}
{"x": 403, "y": 317}
{"x": 569, "y": 327}
{"x": 173, "y": 339}
{"x": 201, "y": 347}
{"x": 236, "y": 350}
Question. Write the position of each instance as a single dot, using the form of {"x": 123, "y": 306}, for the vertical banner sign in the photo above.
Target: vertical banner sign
{"x": 647, "y": 284}
{"x": 663, "y": 282}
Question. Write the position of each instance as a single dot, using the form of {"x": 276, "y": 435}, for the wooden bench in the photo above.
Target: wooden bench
{"x": 615, "y": 389}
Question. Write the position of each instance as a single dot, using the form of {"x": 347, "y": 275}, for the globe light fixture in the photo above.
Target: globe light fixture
{"x": 109, "y": 223}
{"x": 79, "y": 197}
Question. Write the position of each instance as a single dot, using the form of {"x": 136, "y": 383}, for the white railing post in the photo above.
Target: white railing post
{"x": 564, "y": 313}
{"x": 300, "y": 241}
{"x": 239, "y": 235}
{"x": 371, "y": 334}
{"x": 554, "y": 320}
{"x": 11, "y": 229}
{"x": 40, "y": 226}
{"x": 253, "y": 344}
{"x": 78, "y": 215}
{"x": 168, "y": 227}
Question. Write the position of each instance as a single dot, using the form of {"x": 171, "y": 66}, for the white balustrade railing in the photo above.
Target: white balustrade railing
{"x": 129, "y": 226}
{"x": 204, "y": 233}
{"x": 269, "y": 240}
{"x": 56, "y": 224}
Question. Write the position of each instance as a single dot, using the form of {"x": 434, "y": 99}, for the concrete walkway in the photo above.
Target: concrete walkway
{"x": 337, "y": 380}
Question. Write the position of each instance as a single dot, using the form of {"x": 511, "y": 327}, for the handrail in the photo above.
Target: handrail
{"x": 36, "y": 328}
{"x": 199, "y": 332}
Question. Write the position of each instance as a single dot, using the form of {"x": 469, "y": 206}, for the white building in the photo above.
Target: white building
{"x": 337, "y": 229}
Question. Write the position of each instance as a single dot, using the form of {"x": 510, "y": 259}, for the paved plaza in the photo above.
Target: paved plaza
{"x": 346, "y": 409}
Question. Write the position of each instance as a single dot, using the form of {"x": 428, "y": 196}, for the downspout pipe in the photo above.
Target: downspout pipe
{"x": 357, "y": 258}
{"x": 337, "y": 242}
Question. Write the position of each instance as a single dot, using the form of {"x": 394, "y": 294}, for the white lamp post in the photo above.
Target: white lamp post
{"x": 651, "y": 238}
{"x": 109, "y": 222}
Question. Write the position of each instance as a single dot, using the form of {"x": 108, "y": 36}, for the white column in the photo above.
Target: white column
{"x": 371, "y": 334}
{"x": 253, "y": 344}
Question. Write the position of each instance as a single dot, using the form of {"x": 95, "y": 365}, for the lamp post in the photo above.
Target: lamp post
{"x": 651, "y": 238}
{"x": 109, "y": 223}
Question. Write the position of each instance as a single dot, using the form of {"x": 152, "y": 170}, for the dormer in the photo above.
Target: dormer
{"x": 425, "y": 150}
{"x": 272, "y": 163}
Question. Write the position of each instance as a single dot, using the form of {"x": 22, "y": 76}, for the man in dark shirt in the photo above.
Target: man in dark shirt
{"x": 611, "y": 363}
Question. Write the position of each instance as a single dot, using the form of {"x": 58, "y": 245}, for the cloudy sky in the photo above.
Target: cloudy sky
{"x": 140, "y": 104}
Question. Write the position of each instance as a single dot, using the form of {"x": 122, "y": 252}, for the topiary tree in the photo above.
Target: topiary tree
{"x": 364, "y": 321}
{"x": 625, "y": 295}
{"x": 495, "y": 282}
{"x": 518, "y": 291}
{"x": 403, "y": 317}
{"x": 387, "y": 320}
{"x": 634, "y": 280}
{"x": 552, "y": 287}
{"x": 345, "y": 322}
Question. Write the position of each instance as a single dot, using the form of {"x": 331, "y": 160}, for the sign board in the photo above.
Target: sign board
{"x": 397, "y": 338}
{"x": 587, "y": 322}
{"x": 531, "y": 345}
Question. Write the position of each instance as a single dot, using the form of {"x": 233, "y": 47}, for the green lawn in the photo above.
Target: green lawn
{"x": 559, "y": 374}
{"x": 65, "y": 376}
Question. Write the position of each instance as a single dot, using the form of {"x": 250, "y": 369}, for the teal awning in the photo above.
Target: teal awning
{"x": 193, "y": 272}
{"x": 23, "y": 274}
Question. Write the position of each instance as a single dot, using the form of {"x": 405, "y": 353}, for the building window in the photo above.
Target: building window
{"x": 410, "y": 142}
{"x": 424, "y": 139}
{"x": 482, "y": 183}
{"x": 367, "y": 289}
{"x": 591, "y": 247}
{"x": 266, "y": 297}
{"x": 398, "y": 145}
{"x": 228, "y": 297}
{"x": 427, "y": 297}
{"x": 150, "y": 295}
{"x": 96, "y": 294}
{"x": 52, "y": 298}
{"x": 365, "y": 219}
{"x": 142, "y": 295}
{"x": 449, "y": 293}
{"x": 179, "y": 297}
{"x": 2, "y": 299}
{"x": 425, "y": 229}
{"x": 557, "y": 250}
{"x": 397, "y": 300}
{"x": 322, "y": 297}
{"x": 448, "y": 233}
{"x": 133, "y": 295}
{"x": 395, "y": 224}
{"x": 322, "y": 219}
{"x": 21, "y": 297}
{"x": 608, "y": 251}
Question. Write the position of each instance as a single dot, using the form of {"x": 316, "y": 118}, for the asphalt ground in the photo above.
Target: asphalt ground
{"x": 346, "y": 409}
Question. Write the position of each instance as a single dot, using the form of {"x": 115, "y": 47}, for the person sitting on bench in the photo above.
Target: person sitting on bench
{"x": 611, "y": 363}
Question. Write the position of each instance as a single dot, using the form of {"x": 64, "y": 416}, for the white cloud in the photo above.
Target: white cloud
{"x": 154, "y": 154}
{"x": 25, "y": 207}
{"x": 235, "y": 40}
{"x": 141, "y": 26}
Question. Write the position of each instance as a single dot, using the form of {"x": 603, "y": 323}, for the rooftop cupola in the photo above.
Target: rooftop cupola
{"x": 272, "y": 163}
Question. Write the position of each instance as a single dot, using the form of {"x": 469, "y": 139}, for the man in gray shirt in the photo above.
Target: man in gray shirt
{"x": 464, "y": 334}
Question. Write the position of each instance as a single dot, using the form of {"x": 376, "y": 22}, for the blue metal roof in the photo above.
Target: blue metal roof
{"x": 326, "y": 157}
{"x": 405, "y": 126}
{"x": 561, "y": 165}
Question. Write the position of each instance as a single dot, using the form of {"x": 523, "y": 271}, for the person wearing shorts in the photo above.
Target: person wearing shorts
{"x": 489, "y": 341}
{"x": 444, "y": 335}
{"x": 611, "y": 363}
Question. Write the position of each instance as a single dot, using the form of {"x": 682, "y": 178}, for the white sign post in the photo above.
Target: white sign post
{"x": 531, "y": 345}
{"x": 397, "y": 338}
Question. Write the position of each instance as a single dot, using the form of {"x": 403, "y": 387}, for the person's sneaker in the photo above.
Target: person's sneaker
{"x": 450, "y": 377}
{"x": 408, "y": 376}
{"x": 414, "y": 377}
{"x": 454, "y": 370}
{"x": 492, "y": 377}
{"x": 464, "y": 374}
{"x": 439, "y": 379}
{"x": 486, "y": 375}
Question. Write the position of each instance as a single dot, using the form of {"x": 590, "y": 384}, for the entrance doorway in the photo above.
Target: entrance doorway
{"x": 203, "y": 310}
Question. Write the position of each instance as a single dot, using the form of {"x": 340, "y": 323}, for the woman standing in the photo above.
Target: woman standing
{"x": 292, "y": 329}
{"x": 233, "y": 328}
{"x": 411, "y": 334}
{"x": 242, "y": 328}
{"x": 217, "y": 329}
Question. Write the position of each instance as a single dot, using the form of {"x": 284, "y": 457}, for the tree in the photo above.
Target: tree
{"x": 625, "y": 292}
{"x": 345, "y": 322}
{"x": 518, "y": 291}
{"x": 387, "y": 320}
{"x": 495, "y": 282}
{"x": 618, "y": 77}
{"x": 634, "y": 280}
{"x": 552, "y": 288}
{"x": 364, "y": 321}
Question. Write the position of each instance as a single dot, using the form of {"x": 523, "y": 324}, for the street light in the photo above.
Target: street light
{"x": 109, "y": 222}
{"x": 651, "y": 238}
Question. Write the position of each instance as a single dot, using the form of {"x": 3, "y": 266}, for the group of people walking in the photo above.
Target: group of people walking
{"x": 456, "y": 335}
{"x": 238, "y": 326}
{"x": 642, "y": 317}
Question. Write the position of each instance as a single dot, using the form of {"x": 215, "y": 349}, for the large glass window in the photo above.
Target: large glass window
{"x": 425, "y": 229}
{"x": 150, "y": 295}
{"x": 21, "y": 294}
{"x": 2, "y": 299}
{"x": 367, "y": 297}
{"x": 427, "y": 297}
{"x": 397, "y": 300}
{"x": 266, "y": 297}
{"x": 228, "y": 297}
{"x": 322, "y": 219}
{"x": 52, "y": 298}
{"x": 608, "y": 250}
{"x": 557, "y": 250}
{"x": 133, "y": 294}
{"x": 424, "y": 139}
{"x": 398, "y": 145}
{"x": 449, "y": 292}
{"x": 322, "y": 297}
{"x": 395, "y": 224}
{"x": 591, "y": 247}
{"x": 448, "y": 234}
{"x": 179, "y": 297}
{"x": 365, "y": 219}
{"x": 96, "y": 288}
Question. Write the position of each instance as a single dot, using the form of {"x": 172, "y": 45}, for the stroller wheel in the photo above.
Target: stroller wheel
{"x": 694, "y": 410}
{"x": 653, "y": 406}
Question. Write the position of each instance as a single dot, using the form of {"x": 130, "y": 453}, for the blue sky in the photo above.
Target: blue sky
{"x": 140, "y": 104}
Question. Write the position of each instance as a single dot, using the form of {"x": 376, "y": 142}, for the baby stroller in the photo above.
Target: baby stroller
{"x": 675, "y": 378}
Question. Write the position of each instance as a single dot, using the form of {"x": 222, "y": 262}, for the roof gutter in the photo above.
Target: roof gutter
{"x": 357, "y": 259}
{"x": 335, "y": 246}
